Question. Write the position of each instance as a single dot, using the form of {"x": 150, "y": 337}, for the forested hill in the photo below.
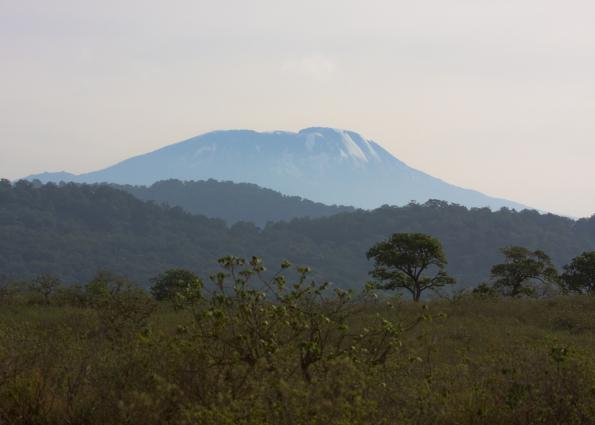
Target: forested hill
{"x": 232, "y": 202}
{"x": 73, "y": 231}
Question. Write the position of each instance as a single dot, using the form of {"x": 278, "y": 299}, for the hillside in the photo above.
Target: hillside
{"x": 75, "y": 230}
{"x": 232, "y": 202}
{"x": 325, "y": 165}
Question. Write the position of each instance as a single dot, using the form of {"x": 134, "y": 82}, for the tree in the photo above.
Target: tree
{"x": 106, "y": 284}
{"x": 45, "y": 284}
{"x": 168, "y": 284}
{"x": 579, "y": 275}
{"x": 484, "y": 290}
{"x": 521, "y": 270}
{"x": 405, "y": 261}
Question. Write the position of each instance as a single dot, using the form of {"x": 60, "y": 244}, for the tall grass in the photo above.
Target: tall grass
{"x": 469, "y": 361}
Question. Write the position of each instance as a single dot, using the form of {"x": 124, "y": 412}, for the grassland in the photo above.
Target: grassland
{"x": 467, "y": 360}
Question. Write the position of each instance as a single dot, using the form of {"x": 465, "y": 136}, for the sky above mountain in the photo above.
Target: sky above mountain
{"x": 495, "y": 96}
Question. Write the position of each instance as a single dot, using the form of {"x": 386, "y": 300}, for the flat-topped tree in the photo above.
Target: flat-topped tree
{"x": 411, "y": 261}
{"x": 522, "y": 270}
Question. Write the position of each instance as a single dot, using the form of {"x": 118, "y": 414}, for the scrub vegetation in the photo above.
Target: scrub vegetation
{"x": 251, "y": 346}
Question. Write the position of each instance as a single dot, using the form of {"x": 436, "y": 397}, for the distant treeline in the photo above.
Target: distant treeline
{"x": 72, "y": 231}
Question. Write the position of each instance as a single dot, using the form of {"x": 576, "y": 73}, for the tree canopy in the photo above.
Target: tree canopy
{"x": 579, "y": 275}
{"x": 167, "y": 284}
{"x": 520, "y": 271}
{"x": 411, "y": 261}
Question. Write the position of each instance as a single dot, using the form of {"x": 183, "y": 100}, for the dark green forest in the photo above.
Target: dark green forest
{"x": 232, "y": 202}
{"x": 73, "y": 231}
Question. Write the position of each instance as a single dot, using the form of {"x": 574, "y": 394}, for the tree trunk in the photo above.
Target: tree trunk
{"x": 416, "y": 295}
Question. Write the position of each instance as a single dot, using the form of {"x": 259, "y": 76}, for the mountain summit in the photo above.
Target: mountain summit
{"x": 322, "y": 164}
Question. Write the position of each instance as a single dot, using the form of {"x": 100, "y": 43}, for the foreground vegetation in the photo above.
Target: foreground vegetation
{"x": 244, "y": 349}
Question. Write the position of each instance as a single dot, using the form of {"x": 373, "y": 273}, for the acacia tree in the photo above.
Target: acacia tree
{"x": 411, "y": 261}
{"x": 579, "y": 275}
{"x": 521, "y": 270}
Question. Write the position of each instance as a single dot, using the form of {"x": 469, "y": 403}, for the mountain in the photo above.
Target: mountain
{"x": 322, "y": 164}
{"x": 74, "y": 230}
{"x": 232, "y": 202}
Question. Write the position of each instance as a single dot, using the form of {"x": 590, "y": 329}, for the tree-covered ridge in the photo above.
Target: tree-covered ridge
{"x": 232, "y": 202}
{"x": 74, "y": 230}
{"x": 472, "y": 238}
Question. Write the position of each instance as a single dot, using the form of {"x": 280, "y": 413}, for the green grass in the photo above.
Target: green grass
{"x": 469, "y": 361}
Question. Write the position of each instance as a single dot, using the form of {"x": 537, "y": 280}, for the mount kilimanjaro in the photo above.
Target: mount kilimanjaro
{"x": 322, "y": 164}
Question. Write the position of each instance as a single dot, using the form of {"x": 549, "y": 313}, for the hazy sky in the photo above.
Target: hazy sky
{"x": 494, "y": 95}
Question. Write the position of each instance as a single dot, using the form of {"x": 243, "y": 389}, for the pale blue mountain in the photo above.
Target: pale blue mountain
{"x": 321, "y": 164}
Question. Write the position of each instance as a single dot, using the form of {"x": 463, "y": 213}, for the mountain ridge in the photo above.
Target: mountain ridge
{"x": 327, "y": 165}
{"x": 231, "y": 202}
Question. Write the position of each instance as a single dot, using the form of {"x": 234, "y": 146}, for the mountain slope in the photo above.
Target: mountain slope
{"x": 74, "y": 230}
{"x": 322, "y": 164}
{"x": 232, "y": 202}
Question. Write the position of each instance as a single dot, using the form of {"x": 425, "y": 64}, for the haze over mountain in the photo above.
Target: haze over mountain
{"x": 322, "y": 164}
